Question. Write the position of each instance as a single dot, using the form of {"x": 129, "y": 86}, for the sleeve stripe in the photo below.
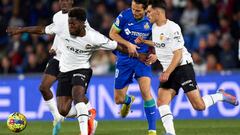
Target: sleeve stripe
{"x": 116, "y": 27}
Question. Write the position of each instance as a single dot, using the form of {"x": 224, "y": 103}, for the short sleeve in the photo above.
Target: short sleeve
{"x": 177, "y": 39}
{"x": 120, "y": 21}
{"x": 53, "y": 29}
{"x": 102, "y": 42}
{"x": 50, "y": 29}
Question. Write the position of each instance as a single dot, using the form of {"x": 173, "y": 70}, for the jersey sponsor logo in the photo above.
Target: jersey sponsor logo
{"x": 159, "y": 45}
{"x": 147, "y": 26}
{"x": 136, "y": 34}
{"x": 76, "y": 51}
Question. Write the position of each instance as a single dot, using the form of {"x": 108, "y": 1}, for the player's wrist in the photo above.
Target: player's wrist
{"x": 167, "y": 72}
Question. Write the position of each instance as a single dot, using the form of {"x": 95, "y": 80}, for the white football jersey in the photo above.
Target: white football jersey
{"x": 168, "y": 38}
{"x": 77, "y": 51}
{"x": 61, "y": 20}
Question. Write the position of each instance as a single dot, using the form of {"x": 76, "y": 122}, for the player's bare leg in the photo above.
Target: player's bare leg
{"x": 202, "y": 103}
{"x": 165, "y": 96}
{"x": 149, "y": 104}
{"x": 121, "y": 97}
{"x": 78, "y": 94}
{"x": 46, "y": 83}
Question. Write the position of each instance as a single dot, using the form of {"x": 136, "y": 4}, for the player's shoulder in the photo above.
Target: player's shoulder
{"x": 57, "y": 14}
{"x": 173, "y": 26}
{"x": 91, "y": 33}
{"x": 125, "y": 12}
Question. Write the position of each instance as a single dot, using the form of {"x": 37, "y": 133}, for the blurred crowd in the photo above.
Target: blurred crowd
{"x": 211, "y": 30}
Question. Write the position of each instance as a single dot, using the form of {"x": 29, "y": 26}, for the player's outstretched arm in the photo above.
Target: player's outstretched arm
{"x": 140, "y": 40}
{"x": 32, "y": 29}
{"x": 114, "y": 34}
{"x": 123, "y": 49}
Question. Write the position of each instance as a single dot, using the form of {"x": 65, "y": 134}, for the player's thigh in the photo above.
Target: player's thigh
{"x": 123, "y": 76}
{"x": 142, "y": 70}
{"x": 144, "y": 85}
{"x": 64, "y": 104}
{"x": 80, "y": 80}
{"x": 52, "y": 67}
{"x": 195, "y": 99}
{"x": 50, "y": 74}
{"x": 47, "y": 81}
{"x": 165, "y": 96}
{"x": 64, "y": 86}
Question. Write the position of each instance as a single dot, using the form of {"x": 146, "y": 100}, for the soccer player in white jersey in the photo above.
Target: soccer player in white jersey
{"x": 177, "y": 67}
{"x": 52, "y": 69}
{"x": 75, "y": 71}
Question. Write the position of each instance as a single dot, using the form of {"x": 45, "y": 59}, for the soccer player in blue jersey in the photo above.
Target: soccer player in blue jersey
{"x": 130, "y": 24}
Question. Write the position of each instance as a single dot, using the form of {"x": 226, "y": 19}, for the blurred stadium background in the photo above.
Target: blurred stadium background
{"x": 211, "y": 31}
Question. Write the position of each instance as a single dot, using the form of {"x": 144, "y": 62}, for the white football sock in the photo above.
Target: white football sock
{"x": 167, "y": 118}
{"x": 72, "y": 113}
{"x": 209, "y": 100}
{"x": 82, "y": 114}
{"x": 53, "y": 108}
{"x": 89, "y": 106}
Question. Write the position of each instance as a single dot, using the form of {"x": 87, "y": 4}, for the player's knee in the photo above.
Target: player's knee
{"x": 199, "y": 106}
{"x": 43, "y": 87}
{"x": 161, "y": 102}
{"x": 119, "y": 99}
{"x": 63, "y": 111}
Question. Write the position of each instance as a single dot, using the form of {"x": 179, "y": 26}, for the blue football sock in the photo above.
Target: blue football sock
{"x": 151, "y": 113}
{"x": 128, "y": 100}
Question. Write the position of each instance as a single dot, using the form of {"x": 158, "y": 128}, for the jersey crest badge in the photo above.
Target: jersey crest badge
{"x": 147, "y": 26}
{"x": 161, "y": 37}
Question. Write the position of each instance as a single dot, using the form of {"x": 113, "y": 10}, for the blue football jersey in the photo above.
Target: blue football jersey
{"x": 130, "y": 29}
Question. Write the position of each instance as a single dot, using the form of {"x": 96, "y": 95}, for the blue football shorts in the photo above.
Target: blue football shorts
{"x": 126, "y": 71}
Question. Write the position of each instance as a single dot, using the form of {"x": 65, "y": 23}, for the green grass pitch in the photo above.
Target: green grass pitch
{"x": 183, "y": 127}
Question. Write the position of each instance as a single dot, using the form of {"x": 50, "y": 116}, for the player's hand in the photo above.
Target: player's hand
{"x": 13, "y": 30}
{"x": 139, "y": 40}
{"x": 164, "y": 77}
{"x": 52, "y": 52}
{"x": 132, "y": 50}
{"x": 152, "y": 58}
{"x": 143, "y": 57}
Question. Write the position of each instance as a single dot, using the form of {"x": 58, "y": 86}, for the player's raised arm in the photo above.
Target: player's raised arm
{"x": 140, "y": 40}
{"x": 32, "y": 29}
{"x": 50, "y": 29}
